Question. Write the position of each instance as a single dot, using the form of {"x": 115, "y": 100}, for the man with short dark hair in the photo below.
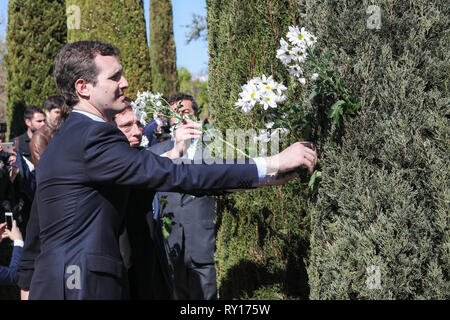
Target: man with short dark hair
{"x": 186, "y": 100}
{"x": 87, "y": 170}
{"x": 34, "y": 119}
{"x": 25, "y": 185}
{"x": 192, "y": 239}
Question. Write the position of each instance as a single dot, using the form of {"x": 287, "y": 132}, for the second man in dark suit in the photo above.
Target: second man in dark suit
{"x": 192, "y": 239}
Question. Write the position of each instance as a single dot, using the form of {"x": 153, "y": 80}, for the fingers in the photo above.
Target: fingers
{"x": 304, "y": 154}
{"x": 188, "y": 130}
{"x": 309, "y": 152}
{"x": 185, "y": 134}
{"x": 2, "y": 228}
{"x": 309, "y": 145}
{"x": 191, "y": 124}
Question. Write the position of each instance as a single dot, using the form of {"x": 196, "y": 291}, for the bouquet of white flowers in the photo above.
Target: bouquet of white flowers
{"x": 297, "y": 54}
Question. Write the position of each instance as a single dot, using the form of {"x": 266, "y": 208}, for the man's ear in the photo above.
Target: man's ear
{"x": 28, "y": 122}
{"x": 82, "y": 87}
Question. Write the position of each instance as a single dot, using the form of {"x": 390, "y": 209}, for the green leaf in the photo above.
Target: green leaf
{"x": 312, "y": 180}
{"x": 357, "y": 106}
{"x": 166, "y": 227}
{"x": 163, "y": 200}
{"x": 336, "y": 111}
{"x": 313, "y": 94}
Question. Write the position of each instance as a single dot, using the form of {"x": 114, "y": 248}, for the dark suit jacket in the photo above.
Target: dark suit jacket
{"x": 192, "y": 218}
{"x": 149, "y": 275}
{"x": 8, "y": 275}
{"x": 83, "y": 179}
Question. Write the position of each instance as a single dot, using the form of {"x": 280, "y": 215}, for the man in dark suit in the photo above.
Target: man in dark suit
{"x": 34, "y": 120}
{"x": 192, "y": 239}
{"x": 88, "y": 167}
{"x": 142, "y": 243}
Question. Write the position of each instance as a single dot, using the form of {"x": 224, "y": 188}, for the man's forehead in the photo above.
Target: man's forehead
{"x": 185, "y": 103}
{"x": 38, "y": 115}
{"x": 107, "y": 63}
{"x": 126, "y": 115}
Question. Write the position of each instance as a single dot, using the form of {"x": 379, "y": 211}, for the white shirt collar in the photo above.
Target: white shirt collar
{"x": 90, "y": 115}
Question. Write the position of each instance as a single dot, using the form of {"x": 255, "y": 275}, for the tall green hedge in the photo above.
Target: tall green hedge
{"x": 263, "y": 235}
{"x": 162, "y": 48}
{"x": 36, "y": 31}
{"x": 121, "y": 23}
{"x": 377, "y": 225}
{"x": 380, "y": 219}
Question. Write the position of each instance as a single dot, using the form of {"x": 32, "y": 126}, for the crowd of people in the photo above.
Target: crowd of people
{"x": 93, "y": 198}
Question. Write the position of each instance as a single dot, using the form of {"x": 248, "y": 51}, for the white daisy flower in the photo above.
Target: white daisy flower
{"x": 269, "y": 125}
{"x": 144, "y": 142}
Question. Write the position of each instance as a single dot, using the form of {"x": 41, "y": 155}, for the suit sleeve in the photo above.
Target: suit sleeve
{"x": 110, "y": 159}
{"x": 31, "y": 249}
{"x": 8, "y": 275}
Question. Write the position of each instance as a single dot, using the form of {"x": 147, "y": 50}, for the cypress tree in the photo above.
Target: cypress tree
{"x": 376, "y": 226}
{"x": 2, "y": 78}
{"x": 380, "y": 218}
{"x": 263, "y": 235}
{"x": 36, "y": 31}
{"x": 121, "y": 23}
{"x": 162, "y": 48}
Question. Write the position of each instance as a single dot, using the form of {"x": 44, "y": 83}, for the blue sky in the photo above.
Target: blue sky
{"x": 193, "y": 56}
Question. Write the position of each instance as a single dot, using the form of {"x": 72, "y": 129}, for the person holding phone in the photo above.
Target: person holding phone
{"x": 8, "y": 275}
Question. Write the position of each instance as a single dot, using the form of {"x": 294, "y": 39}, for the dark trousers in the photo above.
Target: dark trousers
{"x": 194, "y": 281}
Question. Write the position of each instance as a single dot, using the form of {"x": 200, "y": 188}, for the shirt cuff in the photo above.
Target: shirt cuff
{"x": 18, "y": 243}
{"x": 262, "y": 167}
{"x": 164, "y": 154}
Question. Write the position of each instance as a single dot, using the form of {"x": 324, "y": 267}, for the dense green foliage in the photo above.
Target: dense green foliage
{"x": 163, "y": 55}
{"x": 264, "y": 234}
{"x": 36, "y": 31}
{"x": 382, "y": 208}
{"x": 2, "y": 78}
{"x": 377, "y": 225}
{"x": 121, "y": 23}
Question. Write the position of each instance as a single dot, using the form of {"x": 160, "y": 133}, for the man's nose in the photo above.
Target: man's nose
{"x": 123, "y": 83}
{"x": 136, "y": 130}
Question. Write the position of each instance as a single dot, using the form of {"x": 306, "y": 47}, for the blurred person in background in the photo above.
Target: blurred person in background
{"x": 8, "y": 275}
{"x": 56, "y": 112}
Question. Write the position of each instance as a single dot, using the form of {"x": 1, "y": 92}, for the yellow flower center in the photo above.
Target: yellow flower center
{"x": 268, "y": 88}
{"x": 300, "y": 36}
{"x": 253, "y": 94}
